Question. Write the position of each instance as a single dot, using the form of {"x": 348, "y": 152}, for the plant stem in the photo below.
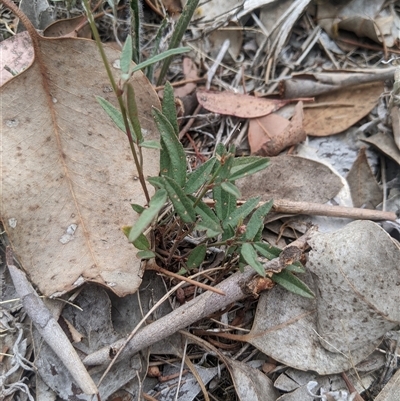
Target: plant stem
{"x": 118, "y": 92}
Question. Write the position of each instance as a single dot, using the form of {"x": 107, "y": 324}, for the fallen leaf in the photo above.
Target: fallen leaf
{"x": 356, "y": 277}
{"x": 238, "y": 105}
{"x": 250, "y": 383}
{"x": 68, "y": 175}
{"x": 385, "y": 144}
{"x": 364, "y": 19}
{"x": 271, "y": 134}
{"x": 292, "y": 178}
{"x": 281, "y": 317}
{"x": 94, "y": 320}
{"x": 73, "y": 27}
{"x": 16, "y": 56}
{"x": 314, "y": 84}
{"x": 365, "y": 191}
{"x": 357, "y": 274}
{"x": 336, "y": 111}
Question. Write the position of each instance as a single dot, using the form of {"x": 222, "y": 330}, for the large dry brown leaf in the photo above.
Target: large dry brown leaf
{"x": 68, "y": 176}
{"x": 336, "y": 111}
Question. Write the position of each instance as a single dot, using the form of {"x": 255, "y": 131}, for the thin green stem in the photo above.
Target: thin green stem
{"x": 118, "y": 92}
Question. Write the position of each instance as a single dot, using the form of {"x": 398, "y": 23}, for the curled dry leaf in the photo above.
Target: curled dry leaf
{"x": 271, "y": 134}
{"x": 68, "y": 175}
{"x": 238, "y": 105}
{"x": 365, "y": 19}
{"x": 72, "y": 27}
{"x": 335, "y": 112}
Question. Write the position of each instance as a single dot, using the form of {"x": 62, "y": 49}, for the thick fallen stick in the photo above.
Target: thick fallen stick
{"x": 236, "y": 287}
{"x": 319, "y": 209}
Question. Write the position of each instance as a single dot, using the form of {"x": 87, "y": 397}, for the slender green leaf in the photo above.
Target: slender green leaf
{"x": 178, "y": 33}
{"x": 146, "y": 255}
{"x": 241, "y": 212}
{"x": 133, "y": 112}
{"x": 268, "y": 251}
{"x": 199, "y": 176}
{"x": 161, "y": 56}
{"x": 293, "y": 284}
{"x": 142, "y": 243}
{"x": 169, "y": 108}
{"x": 138, "y": 208}
{"x": 258, "y": 236}
{"x": 196, "y": 257}
{"x": 296, "y": 267}
{"x": 157, "y": 182}
{"x": 256, "y": 221}
{"x": 245, "y": 166}
{"x": 173, "y": 148}
{"x": 150, "y": 144}
{"x": 220, "y": 150}
{"x": 183, "y": 205}
{"x": 229, "y": 232}
{"x": 225, "y": 203}
{"x": 126, "y": 55}
{"x": 231, "y": 188}
{"x": 165, "y": 161}
{"x": 147, "y": 216}
{"x": 136, "y": 7}
{"x": 249, "y": 254}
{"x": 209, "y": 221}
{"x": 202, "y": 226}
{"x": 115, "y": 115}
{"x": 156, "y": 47}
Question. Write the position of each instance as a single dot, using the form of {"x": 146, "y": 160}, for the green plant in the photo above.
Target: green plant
{"x": 221, "y": 224}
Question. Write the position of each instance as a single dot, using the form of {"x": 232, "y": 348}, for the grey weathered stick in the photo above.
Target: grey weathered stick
{"x": 234, "y": 287}
{"x": 318, "y": 209}
{"x": 189, "y": 313}
{"x": 48, "y": 327}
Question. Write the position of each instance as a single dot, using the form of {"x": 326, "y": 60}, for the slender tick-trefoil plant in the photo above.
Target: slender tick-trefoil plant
{"x": 190, "y": 222}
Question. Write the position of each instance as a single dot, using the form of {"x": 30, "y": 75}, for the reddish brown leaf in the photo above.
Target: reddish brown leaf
{"x": 270, "y": 134}
{"x": 235, "y": 104}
